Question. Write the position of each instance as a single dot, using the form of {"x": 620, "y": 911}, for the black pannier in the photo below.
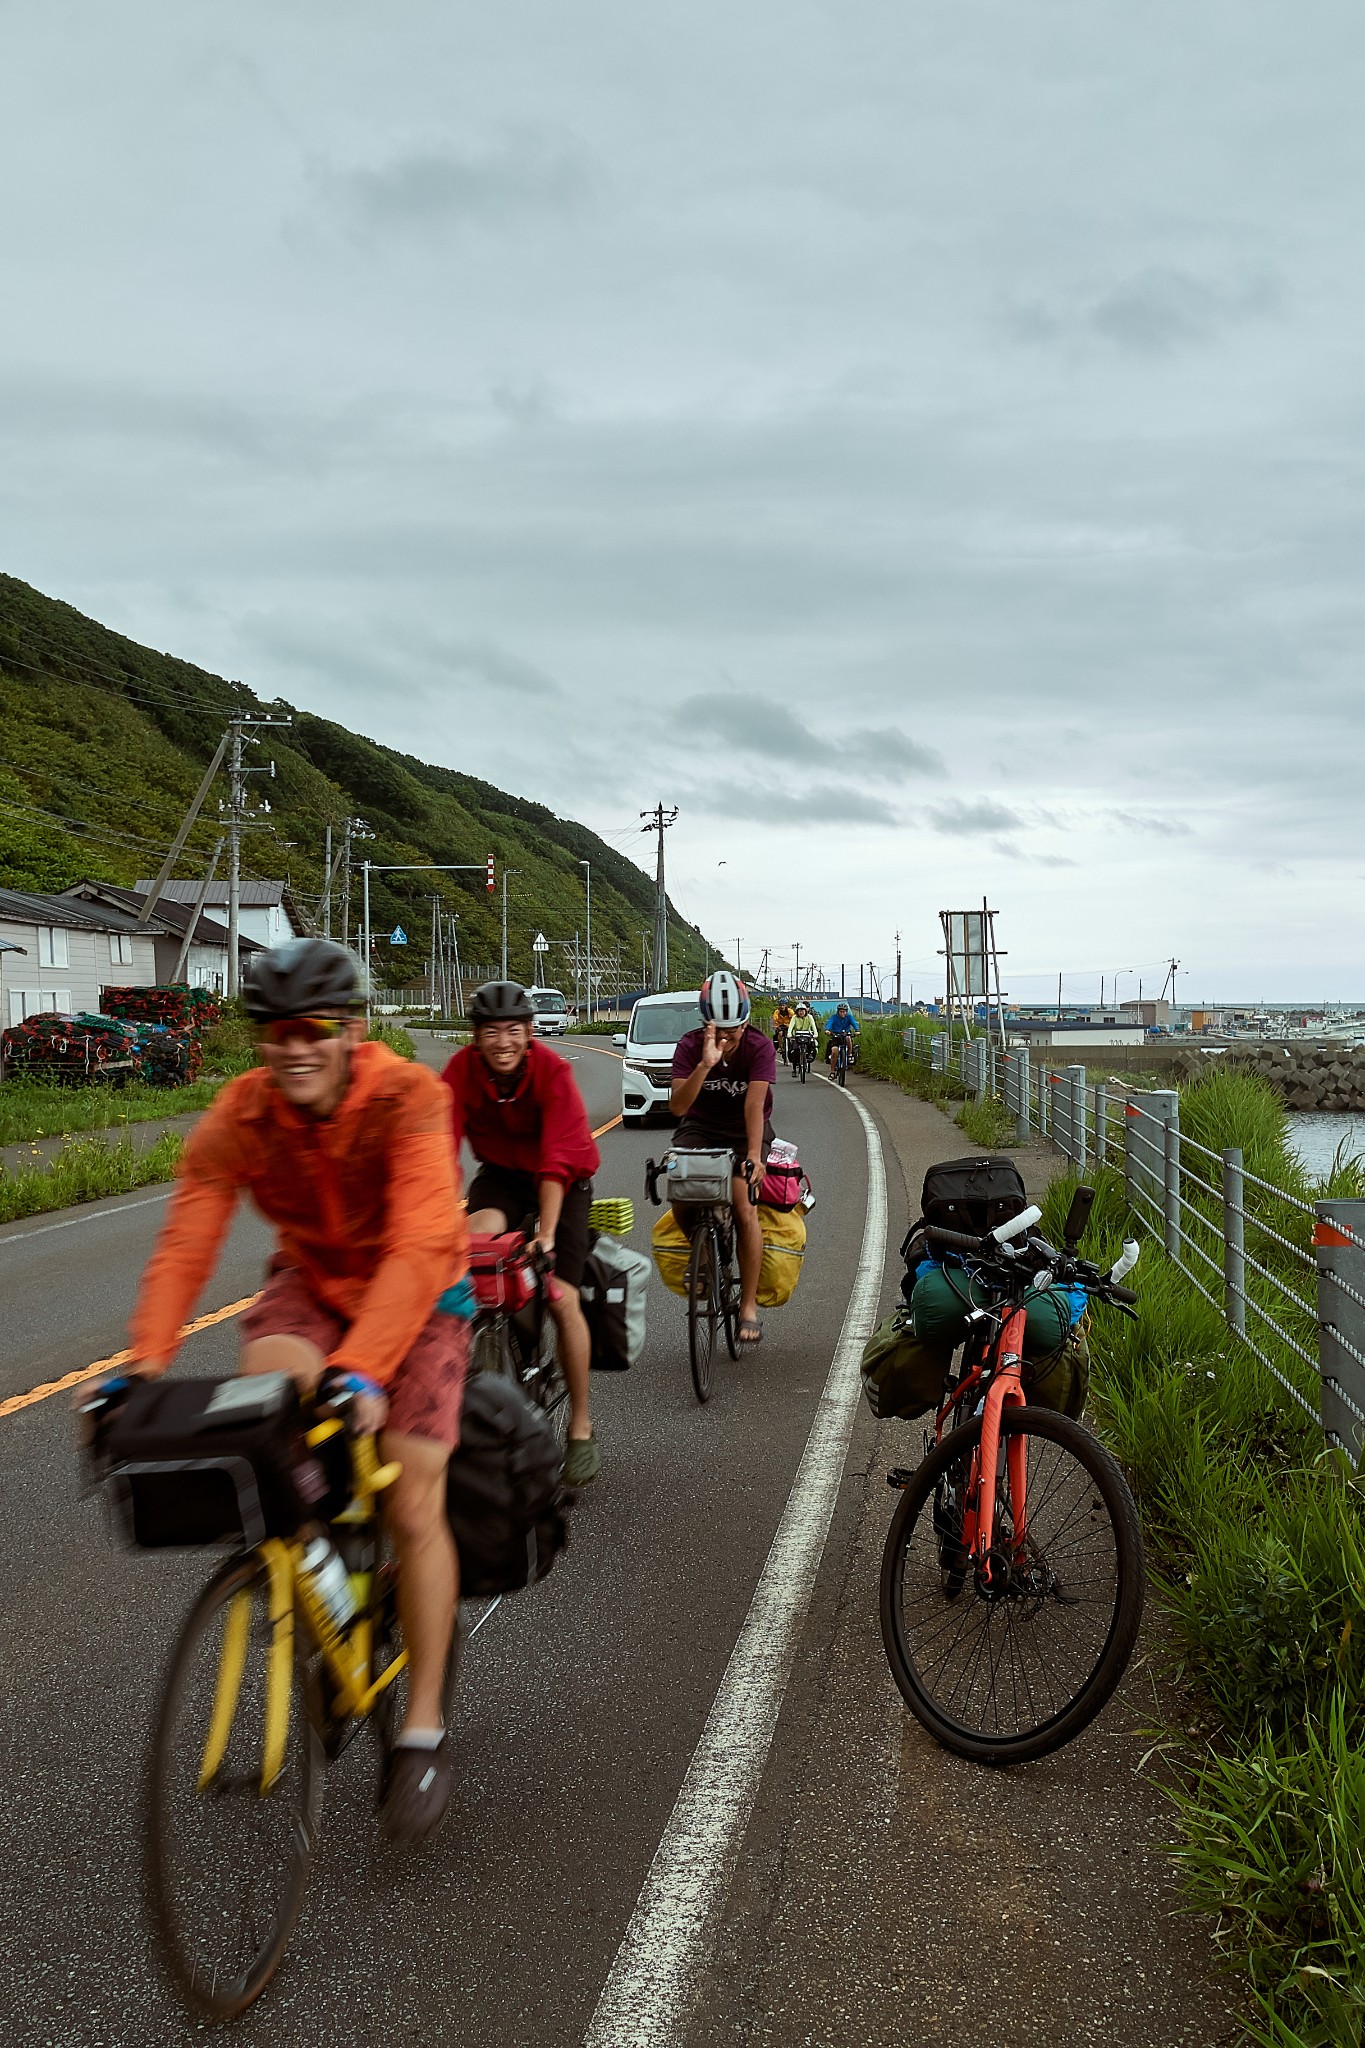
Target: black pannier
{"x": 504, "y": 1490}
{"x": 972, "y": 1195}
{"x": 210, "y": 1461}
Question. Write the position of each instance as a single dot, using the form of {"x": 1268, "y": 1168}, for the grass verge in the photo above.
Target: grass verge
{"x": 1257, "y": 1543}
{"x": 85, "y": 1170}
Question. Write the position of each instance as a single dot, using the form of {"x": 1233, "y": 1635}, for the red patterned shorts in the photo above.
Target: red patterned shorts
{"x": 427, "y": 1390}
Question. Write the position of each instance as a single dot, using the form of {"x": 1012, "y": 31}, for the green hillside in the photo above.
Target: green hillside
{"x": 103, "y": 744}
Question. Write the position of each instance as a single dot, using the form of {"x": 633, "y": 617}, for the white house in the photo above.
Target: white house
{"x": 70, "y": 951}
{"x": 206, "y": 962}
{"x": 266, "y": 911}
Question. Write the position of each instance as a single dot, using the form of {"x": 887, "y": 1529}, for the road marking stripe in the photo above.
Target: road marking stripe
{"x": 88, "y": 1372}
{"x": 656, "y": 1977}
{"x": 88, "y": 1216}
{"x": 15, "y": 1402}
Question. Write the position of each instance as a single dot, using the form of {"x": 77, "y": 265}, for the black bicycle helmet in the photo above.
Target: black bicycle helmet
{"x": 501, "y": 1002}
{"x": 299, "y": 977}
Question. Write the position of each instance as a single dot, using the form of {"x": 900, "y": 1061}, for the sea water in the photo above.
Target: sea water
{"x": 1315, "y": 1135}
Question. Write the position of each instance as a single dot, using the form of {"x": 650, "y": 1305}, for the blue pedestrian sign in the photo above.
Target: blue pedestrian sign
{"x": 398, "y": 937}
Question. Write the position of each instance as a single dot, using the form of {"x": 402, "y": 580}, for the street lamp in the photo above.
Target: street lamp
{"x": 588, "y": 865}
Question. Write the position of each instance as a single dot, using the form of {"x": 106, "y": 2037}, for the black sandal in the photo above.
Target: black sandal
{"x": 750, "y": 1324}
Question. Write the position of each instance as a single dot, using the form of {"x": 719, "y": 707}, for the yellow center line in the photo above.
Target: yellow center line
{"x": 117, "y": 1358}
{"x": 15, "y": 1402}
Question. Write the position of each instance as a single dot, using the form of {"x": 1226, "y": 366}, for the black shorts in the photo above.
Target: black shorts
{"x": 691, "y": 1136}
{"x": 518, "y": 1197}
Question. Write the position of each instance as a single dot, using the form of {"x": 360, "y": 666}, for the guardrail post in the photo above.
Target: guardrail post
{"x": 1234, "y": 1242}
{"x": 1101, "y": 1122}
{"x": 991, "y": 1069}
{"x": 1022, "y": 1104}
{"x": 1172, "y": 1164}
{"x": 1044, "y": 1104}
{"x": 1076, "y": 1150}
{"x": 1339, "y": 1247}
{"x": 938, "y": 1052}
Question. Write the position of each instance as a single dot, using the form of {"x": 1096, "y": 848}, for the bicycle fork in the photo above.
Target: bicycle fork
{"x": 978, "y": 1522}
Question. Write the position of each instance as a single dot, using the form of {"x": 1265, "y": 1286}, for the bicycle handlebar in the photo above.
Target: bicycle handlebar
{"x": 1067, "y": 1269}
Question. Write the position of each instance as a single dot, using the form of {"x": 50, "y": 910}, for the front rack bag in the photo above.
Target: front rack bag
{"x": 210, "y": 1461}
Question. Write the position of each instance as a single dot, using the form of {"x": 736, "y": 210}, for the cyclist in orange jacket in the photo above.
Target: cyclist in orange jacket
{"x": 346, "y": 1149}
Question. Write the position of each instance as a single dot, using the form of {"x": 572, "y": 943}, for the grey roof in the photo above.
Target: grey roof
{"x": 17, "y": 906}
{"x": 169, "y": 916}
{"x": 251, "y": 895}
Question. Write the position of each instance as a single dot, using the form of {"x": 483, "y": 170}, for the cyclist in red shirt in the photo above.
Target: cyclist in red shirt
{"x": 518, "y": 1105}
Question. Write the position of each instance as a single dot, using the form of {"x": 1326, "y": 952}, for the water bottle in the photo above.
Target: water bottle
{"x": 326, "y": 1573}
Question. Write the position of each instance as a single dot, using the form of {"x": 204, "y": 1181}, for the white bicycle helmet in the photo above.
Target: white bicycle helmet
{"x": 724, "y": 1000}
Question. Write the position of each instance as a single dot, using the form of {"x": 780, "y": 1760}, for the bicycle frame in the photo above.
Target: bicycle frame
{"x": 1005, "y": 1389}
{"x": 348, "y": 1655}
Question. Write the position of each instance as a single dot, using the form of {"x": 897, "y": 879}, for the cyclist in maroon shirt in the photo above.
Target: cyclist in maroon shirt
{"x": 722, "y": 1090}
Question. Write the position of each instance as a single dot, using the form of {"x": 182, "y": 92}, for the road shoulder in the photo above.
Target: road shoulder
{"x": 889, "y": 1892}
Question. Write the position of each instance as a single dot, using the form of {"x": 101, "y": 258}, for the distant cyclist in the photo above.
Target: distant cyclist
{"x": 518, "y": 1105}
{"x": 843, "y": 1024}
{"x": 804, "y": 1025}
{"x": 722, "y": 1090}
{"x": 783, "y": 1017}
{"x": 346, "y": 1149}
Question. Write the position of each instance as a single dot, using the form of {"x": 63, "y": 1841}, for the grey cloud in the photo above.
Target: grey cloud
{"x": 817, "y": 804}
{"x": 526, "y": 172}
{"x": 1151, "y": 312}
{"x": 393, "y": 653}
{"x": 766, "y": 728}
{"x": 1145, "y": 821}
{"x": 962, "y": 818}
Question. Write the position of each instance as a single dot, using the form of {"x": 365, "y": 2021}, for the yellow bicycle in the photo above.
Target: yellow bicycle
{"x": 263, "y": 1692}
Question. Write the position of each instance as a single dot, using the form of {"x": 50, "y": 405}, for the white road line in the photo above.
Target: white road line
{"x": 91, "y": 1216}
{"x": 656, "y": 1977}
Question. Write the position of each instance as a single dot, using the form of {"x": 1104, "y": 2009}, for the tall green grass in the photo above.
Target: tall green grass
{"x": 1257, "y": 1538}
{"x": 85, "y": 1170}
{"x": 46, "y": 1109}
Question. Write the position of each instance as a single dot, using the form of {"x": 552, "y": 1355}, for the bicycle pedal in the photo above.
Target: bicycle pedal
{"x": 899, "y": 1477}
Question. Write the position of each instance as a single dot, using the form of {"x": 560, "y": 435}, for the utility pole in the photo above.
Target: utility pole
{"x": 898, "y": 971}
{"x": 505, "y": 873}
{"x": 659, "y": 821}
{"x": 354, "y": 828}
{"x": 242, "y": 733}
{"x": 198, "y": 911}
{"x": 798, "y": 966}
{"x": 588, "y": 865}
{"x": 327, "y": 886}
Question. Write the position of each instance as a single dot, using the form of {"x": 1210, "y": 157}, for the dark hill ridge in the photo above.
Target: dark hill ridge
{"x": 103, "y": 744}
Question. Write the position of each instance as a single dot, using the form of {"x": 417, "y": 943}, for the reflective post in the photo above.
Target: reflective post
{"x": 1234, "y": 1243}
{"x": 1339, "y": 1247}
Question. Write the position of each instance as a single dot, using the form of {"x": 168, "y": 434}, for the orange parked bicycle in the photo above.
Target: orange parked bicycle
{"x": 1012, "y": 1579}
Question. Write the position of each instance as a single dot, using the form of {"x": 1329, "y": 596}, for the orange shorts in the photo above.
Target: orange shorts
{"x": 427, "y": 1390}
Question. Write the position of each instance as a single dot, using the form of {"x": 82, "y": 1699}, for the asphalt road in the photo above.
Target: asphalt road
{"x": 582, "y": 1700}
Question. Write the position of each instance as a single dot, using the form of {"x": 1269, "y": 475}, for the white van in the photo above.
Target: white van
{"x": 553, "y": 1015}
{"x": 648, "y": 1043}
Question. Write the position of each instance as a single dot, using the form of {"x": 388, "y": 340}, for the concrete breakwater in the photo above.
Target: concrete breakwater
{"x": 1326, "y": 1075}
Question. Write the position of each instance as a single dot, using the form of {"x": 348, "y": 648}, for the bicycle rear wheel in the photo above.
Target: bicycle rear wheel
{"x": 1005, "y": 1671}
{"x": 226, "y": 1862}
{"x": 703, "y": 1307}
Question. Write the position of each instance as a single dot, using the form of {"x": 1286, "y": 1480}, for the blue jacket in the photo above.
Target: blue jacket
{"x": 839, "y": 1027}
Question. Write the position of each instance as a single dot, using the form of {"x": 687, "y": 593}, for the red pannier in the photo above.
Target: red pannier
{"x": 500, "y": 1271}
{"x": 784, "y": 1184}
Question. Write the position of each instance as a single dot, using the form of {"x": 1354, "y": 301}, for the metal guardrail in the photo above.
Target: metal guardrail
{"x": 1288, "y": 1277}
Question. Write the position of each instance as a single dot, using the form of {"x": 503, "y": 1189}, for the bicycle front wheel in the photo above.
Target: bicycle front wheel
{"x": 233, "y": 1795}
{"x": 703, "y": 1307}
{"x": 1009, "y": 1665}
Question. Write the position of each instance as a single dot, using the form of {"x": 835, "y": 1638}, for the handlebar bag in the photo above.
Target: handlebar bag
{"x": 500, "y": 1271}
{"x": 504, "y": 1490}
{"x": 612, "y": 1291}
{"x": 972, "y": 1195}
{"x": 211, "y": 1461}
{"x": 700, "y": 1176}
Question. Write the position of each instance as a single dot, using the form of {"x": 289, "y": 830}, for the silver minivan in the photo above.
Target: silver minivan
{"x": 647, "y": 1045}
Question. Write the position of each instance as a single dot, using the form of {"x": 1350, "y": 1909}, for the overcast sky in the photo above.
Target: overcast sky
{"x": 921, "y": 441}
